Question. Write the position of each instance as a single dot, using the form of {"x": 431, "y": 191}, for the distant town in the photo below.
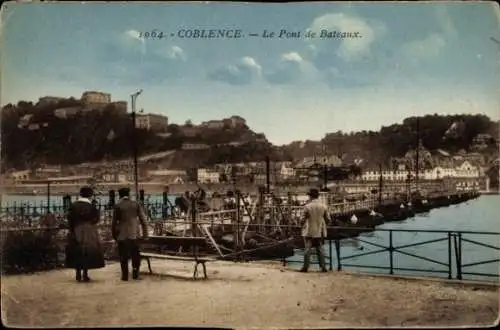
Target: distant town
{"x": 157, "y": 167}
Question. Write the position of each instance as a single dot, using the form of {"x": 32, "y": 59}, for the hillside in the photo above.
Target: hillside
{"x": 448, "y": 133}
{"x": 32, "y": 134}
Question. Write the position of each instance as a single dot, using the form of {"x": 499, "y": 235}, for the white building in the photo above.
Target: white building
{"x": 286, "y": 170}
{"x": 465, "y": 170}
{"x": 93, "y": 97}
{"x": 152, "y": 122}
{"x": 18, "y": 176}
{"x": 206, "y": 175}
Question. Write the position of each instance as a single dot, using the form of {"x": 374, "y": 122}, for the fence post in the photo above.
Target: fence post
{"x": 337, "y": 250}
{"x": 458, "y": 254}
{"x": 330, "y": 253}
{"x": 449, "y": 257}
{"x": 459, "y": 264}
{"x": 164, "y": 209}
{"x": 391, "y": 254}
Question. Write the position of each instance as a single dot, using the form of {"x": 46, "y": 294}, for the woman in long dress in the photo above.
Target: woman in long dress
{"x": 84, "y": 250}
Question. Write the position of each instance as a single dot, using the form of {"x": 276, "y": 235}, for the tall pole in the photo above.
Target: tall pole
{"x": 268, "y": 175}
{"x": 133, "y": 99}
{"x": 380, "y": 183}
{"x": 325, "y": 176}
{"x": 417, "y": 154}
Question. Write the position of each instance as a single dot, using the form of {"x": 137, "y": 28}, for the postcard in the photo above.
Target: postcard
{"x": 250, "y": 165}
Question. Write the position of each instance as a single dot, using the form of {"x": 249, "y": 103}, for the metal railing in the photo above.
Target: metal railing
{"x": 454, "y": 266}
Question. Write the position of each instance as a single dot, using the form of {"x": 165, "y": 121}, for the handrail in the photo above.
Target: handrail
{"x": 454, "y": 243}
{"x": 356, "y": 229}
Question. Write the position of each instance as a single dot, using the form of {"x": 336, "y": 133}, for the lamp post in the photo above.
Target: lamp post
{"x": 133, "y": 99}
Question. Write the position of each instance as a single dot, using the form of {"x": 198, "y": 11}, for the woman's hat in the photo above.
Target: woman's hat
{"x": 313, "y": 193}
{"x": 86, "y": 192}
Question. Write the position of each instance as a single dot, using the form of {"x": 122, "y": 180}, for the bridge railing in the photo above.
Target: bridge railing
{"x": 459, "y": 261}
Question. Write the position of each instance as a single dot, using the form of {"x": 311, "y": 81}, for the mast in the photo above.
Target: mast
{"x": 417, "y": 155}
{"x": 268, "y": 175}
{"x": 380, "y": 184}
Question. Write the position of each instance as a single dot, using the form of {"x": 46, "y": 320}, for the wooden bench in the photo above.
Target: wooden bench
{"x": 197, "y": 260}
{"x": 162, "y": 241}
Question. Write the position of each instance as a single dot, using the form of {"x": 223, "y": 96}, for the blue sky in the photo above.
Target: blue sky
{"x": 411, "y": 59}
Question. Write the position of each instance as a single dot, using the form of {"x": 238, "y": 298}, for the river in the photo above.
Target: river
{"x": 479, "y": 215}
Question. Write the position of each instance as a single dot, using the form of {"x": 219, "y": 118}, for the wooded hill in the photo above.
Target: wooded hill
{"x": 93, "y": 136}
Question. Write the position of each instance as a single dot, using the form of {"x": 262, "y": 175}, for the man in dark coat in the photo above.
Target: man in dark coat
{"x": 83, "y": 251}
{"x": 127, "y": 216}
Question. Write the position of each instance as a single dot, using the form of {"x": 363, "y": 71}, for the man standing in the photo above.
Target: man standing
{"x": 314, "y": 231}
{"x": 127, "y": 217}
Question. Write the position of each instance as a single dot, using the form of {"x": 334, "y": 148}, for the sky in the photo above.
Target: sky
{"x": 408, "y": 59}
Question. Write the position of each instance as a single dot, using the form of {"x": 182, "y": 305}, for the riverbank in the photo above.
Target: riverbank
{"x": 150, "y": 188}
{"x": 261, "y": 295}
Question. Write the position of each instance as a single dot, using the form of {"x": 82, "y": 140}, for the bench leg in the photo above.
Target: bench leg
{"x": 204, "y": 270}
{"x": 149, "y": 265}
{"x": 195, "y": 273}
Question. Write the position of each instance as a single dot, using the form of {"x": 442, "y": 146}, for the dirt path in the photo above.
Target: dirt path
{"x": 241, "y": 296}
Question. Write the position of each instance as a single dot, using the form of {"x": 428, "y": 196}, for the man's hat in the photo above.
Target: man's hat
{"x": 313, "y": 193}
{"x": 125, "y": 191}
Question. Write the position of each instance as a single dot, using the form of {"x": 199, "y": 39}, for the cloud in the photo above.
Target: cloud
{"x": 290, "y": 68}
{"x": 131, "y": 40}
{"x": 433, "y": 44}
{"x": 176, "y": 53}
{"x": 446, "y": 22}
{"x": 240, "y": 73}
{"x": 124, "y": 58}
{"x": 349, "y": 49}
{"x": 426, "y": 49}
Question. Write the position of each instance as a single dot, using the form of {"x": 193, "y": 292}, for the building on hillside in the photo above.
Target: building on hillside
{"x": 260, "y": 137}
{"x": 66, "y": 112}
{"x": 46, "y": 100}
{"x": 331, "y": 160}
{"x": 467, "y": 170}
{"x": 237, "y": 121}
{"x": 213, "y": 124}
{"x": 18, "y": 176}
{"x": 205, "y": 175}
{"x": 152, "y": 122}
{"x": 189, "y": 131}
{"x": 117, "y": 176}
{"x": 261, "y": 179}
{"x": 47, "y": 171}
{"x": 93, "y": 97}
{"x": 286, "y": 171}
{"x": 195, "y": 146}
{"x": 464, "y": 170}
{"x": 120, "y": 106}
{"x": 223, "y": 168}
{"x": 25, "y": 121}
{"x": 168, "y": 176}
{"x": 481, "y": 141}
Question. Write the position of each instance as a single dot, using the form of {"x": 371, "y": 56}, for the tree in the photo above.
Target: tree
{"x": 188, "y": 123}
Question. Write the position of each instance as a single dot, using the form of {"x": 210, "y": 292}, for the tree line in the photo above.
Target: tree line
{"x": 91, "y": 136}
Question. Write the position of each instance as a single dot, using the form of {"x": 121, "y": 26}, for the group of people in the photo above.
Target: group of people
{"x": 84, "y": 252}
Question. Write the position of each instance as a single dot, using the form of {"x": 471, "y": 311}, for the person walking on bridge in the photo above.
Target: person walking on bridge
{"x": 314, "y": 231}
